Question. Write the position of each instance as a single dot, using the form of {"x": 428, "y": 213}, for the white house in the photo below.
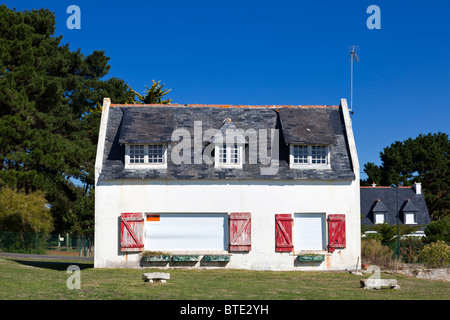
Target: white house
{"x": 249, "y": 187}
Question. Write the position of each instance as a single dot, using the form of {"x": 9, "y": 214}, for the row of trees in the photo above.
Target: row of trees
{"x": 50, "y": 113}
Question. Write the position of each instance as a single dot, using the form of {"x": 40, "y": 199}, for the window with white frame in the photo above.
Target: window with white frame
{"x": 137, "y": 153}
{"x": 156, "y": 153}
{"x": 228, "y": 154}
{"x": 379, "y": 217}
{"x": 309, "y": 155}
{"x": 410, "y": 218}
{"x": 145, "y": 155}
{"x": 300, "y": 154}
{"x": 319, "y": 155}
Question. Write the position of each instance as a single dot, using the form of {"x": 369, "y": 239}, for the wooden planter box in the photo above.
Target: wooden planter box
{"x": 311, "y": 258}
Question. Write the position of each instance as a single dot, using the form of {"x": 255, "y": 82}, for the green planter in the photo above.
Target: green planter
{"x": 216, "y": 258}
{"x": 311, "y": 258}
{"x": 185, "y": 258}
{"x": 157, "y": 258}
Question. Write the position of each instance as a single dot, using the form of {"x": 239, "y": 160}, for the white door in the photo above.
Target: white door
{"x": 186, "y": 231}
{"x": 309, "y": 231}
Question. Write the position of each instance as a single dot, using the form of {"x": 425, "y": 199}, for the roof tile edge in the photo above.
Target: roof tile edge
{"x": 224, "y": 106}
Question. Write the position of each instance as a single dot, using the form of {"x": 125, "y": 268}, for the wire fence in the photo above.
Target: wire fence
{"x": 46, "y": 244}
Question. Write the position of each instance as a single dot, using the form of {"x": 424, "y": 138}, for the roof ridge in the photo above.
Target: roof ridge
{"x": 222, "y": 105}
{"x": 385, "y": 187}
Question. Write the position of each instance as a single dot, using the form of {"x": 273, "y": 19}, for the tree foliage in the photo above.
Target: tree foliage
{"x": 49, "y": 109}
{"x": 424, "y": 159}
{"x": 438, "y": 230}
{"x": 22, "y": 212}
{"x": 387, "y": 233}
{"x": 153, "y": 95}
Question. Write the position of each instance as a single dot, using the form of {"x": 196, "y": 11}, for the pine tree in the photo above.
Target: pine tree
{"x": 49, "y": 97}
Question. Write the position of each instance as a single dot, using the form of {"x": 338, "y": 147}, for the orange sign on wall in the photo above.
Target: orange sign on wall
{"x": 153, "y": 217}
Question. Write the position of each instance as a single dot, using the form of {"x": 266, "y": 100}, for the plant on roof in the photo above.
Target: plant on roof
{"x": 153, "y": 95}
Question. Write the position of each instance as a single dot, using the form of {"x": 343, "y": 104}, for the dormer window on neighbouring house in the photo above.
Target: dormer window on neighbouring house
{"x": 410, "y": 217}
{"x": 379, "y": 212}
{"x": 145, "y": 156}
{"x": 303, "y": 156}
{"x": 409, "y": 212}
{"x": 379, "y": 217}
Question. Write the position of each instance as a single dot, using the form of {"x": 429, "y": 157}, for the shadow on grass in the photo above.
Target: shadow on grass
{"x": 54, "y": 265}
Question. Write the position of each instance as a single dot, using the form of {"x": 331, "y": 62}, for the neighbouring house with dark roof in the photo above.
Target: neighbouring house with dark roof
{"x": 249, "y": 187}
{"x": 380, "y": 205}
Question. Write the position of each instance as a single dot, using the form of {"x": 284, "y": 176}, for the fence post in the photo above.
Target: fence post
{"x": 36, "y": 243}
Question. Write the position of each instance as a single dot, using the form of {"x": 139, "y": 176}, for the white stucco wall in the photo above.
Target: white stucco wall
{"x": 263, "y": 199}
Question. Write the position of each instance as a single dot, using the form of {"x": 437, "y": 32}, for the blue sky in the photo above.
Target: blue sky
{"x": 280, "y": 52}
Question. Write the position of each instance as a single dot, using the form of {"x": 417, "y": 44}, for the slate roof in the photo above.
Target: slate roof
{"x": 383, "y": 199}
{"x": 306, "y": 125}
{"x": 155, "y": 123}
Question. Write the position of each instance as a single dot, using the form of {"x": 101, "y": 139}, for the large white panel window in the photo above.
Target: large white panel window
{"x": 186, "y": 231}
{"x": 309, "y": 231}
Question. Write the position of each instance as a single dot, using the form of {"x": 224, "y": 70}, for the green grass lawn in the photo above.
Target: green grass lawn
{"x": 27, "y": 279}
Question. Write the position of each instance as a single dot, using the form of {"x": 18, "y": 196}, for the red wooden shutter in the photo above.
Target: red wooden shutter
{"x": 336, "y": 231}
{"x": 283, "y": 233}
{"x": 240, "y": 231}
{"x": 131, "y": 232}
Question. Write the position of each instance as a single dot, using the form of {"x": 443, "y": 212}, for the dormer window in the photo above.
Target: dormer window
{"x": 228, "y": 146}
{"x": 228, "y": 155}
{"x": 148, "y": 156}
{"x": 410, "y": 217}
{"x": 409, "y": 212}
{"x": 379, "y": 217}
{"x": 379, "y": 212}
{"x": 309, "y": 156}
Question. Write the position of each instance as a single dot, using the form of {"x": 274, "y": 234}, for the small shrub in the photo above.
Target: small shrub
{"x": 436, "y": 255}
{"x": 373, "y": 252}
{"x": 410, "y": 248}
{"x": 438, "y": 230}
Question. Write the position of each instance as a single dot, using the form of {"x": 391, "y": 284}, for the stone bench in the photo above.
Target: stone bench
{"x": 379, "y": 283}
{"x": 156, "y": 276}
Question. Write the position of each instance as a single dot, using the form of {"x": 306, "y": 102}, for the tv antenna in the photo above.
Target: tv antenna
{"x": 353, "y": 56}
